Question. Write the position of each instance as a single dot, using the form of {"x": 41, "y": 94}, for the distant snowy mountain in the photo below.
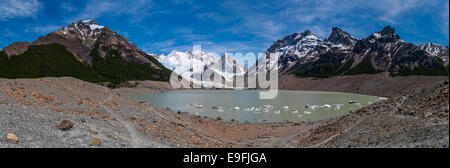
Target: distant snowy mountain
{"x": 196, "y": 62}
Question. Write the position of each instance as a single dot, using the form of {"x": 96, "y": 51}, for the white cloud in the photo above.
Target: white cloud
{"x": 43, "y": 29}
{"x": 10, "y": 9}
{"x": 137, "y": 9}
{"x": 307, "y": 11}
{"x": 8, "y": 33}
{"x": 445, "y": 20}
{"x": 249, "y": 18}
{"x": 67, "y": 6}
{"x": 213, "y": 16}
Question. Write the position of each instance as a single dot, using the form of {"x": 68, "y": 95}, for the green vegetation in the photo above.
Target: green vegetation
{"x": 116, "y": 69}
{"x": 364, "y": 67}
{"x": 52, "y": 60}
{"x": 345, "y": 67}
{"x": 321, "y": 70}
{"x": 326, "y": 66}
{"x": 125, "y": 84}
{"x": 438, "y": 70}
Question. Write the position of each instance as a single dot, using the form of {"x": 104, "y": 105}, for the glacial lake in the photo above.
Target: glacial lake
{"x": 244, "y": 106}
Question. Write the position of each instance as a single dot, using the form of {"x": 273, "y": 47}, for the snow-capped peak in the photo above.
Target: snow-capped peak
{"x": 196, "y": 62}
{"x": 86, "y": 28}
{"x": 181, "y": 61}
{"x": 92, "y": 24}
{"x": 87, "y": 21}
{"x": 436, "y": 50}
{"x": 304, "y": 47}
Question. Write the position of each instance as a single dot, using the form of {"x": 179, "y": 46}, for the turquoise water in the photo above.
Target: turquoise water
{"x": 244, "y": 106}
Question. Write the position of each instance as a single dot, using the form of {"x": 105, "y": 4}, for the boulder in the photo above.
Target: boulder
{"x": 96, "y": 142}
{"x": 65, "y": 125}
{"x": 11, "y": 138}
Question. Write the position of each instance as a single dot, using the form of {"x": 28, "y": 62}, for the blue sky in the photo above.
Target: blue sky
{"x": 160, "y": 26}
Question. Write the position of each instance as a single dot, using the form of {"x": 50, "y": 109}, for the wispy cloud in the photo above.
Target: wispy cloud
{"x": 19, "y": 8}
{"x": 250, "y": 19}
{"x": 67, "y": 6}
{"x": 43, "y": 29}
{"x": 213, "y": 16}
{"x": 136, "y": 10}
{"x": 445, "y": 20}
{"x": 8, "y": 33}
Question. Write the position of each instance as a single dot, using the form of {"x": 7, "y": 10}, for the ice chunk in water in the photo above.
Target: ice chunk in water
{"x": 326, "y": 106}
{"x": 338, "y": 106}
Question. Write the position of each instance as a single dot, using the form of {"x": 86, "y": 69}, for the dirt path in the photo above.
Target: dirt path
{"x": 355, "y": 124}
{"x": 137, "y": 140}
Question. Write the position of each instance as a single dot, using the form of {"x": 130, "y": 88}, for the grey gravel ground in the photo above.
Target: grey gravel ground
{"x": 38, "y": 128}
{"x": 32, "y": 109}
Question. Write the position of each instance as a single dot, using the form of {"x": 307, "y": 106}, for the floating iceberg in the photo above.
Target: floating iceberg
{"x": 268, "y": 106}
{"x": 196, "y": 105}
{"x": 313, "y": 107}
{"x": 236, "y": 108}
{"x": 249, "y": 109}
{"x": 326, "y": 106}
{"x": 338, "y": 106}
{"x": 382, "y": 98}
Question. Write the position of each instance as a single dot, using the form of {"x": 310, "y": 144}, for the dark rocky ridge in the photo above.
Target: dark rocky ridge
{"x": 305, "y": 54}
{"x": 338, "y": 36}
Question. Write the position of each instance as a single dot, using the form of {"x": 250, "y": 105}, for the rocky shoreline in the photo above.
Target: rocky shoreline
{"x": 32, "y": 110}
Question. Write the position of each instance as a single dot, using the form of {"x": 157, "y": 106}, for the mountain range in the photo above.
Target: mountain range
{"x": 305, "y": 54}
{"x": 95, "y": 53}
{"x": 194, "y": 65}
